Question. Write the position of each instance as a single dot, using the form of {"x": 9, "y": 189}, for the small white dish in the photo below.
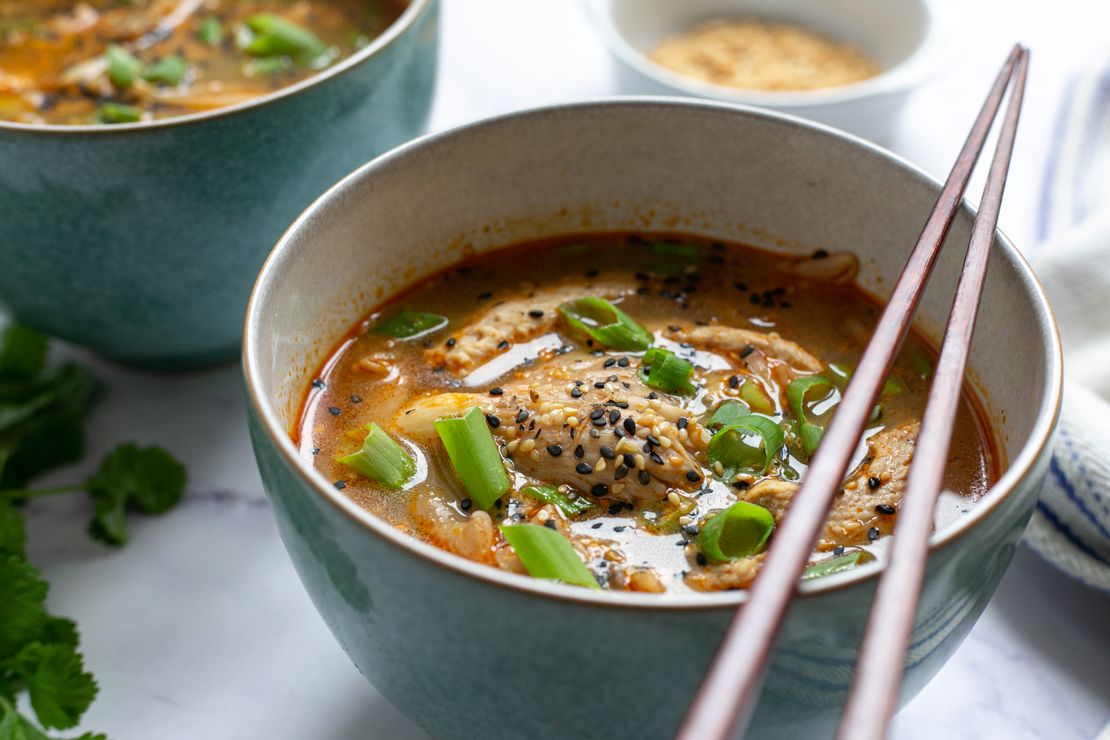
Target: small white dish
{"x": 900, "y": 35}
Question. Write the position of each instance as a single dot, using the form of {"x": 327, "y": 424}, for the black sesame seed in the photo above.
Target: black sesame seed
{"x": 554, "y": 450}
{"x": 629, "y": 425}
{"x": 598, "y": 525}
{"x": 643, "y": 477}
{"x": 642, "y": 276}
{"x": 622, "y": 362}
{"x": 741, "y": 485}
{"x": 655, "y": 458}
{"x": 315, "y": 450}
{"x": 683, "y": 543}
{"x": 652, "y": 396}
{"x": 607, "y": 453}
{"x": 740, "y": 286}
{"x": 591, "y": 273}
{"x": 733, "y": 381}
{"x": 335, "y": 410}
{"x": 629, "y": 459}
{"x": 465, "y": 504}
{"x": 838, "y": 550}
{"x": 620, "y": 404}
{"x": 682, "y": 422}
{"x": 627, "y": 505}
{"x": 340, "y": 485}
{"x": 600, "y": 384}
{"x": 702, "y": 560}
{"x": 575, "y": 392}
{"x": 747, "y": 351}
{"x": 356, "y": 399}
{"x": 485, "y": 296}
{"x": 614, "y": 416}
{"x": 584, "y": 468}
{"x": 691, "y": 530}
{"x": 654, "y": 440}
{"x": 550, "y": 524}
{"x": 495, "y": 391}
{"x": 873, "y": 534}
{"x": 451, "y": 342}
{"x": 599, "y": 489}
{"x": 536, "y": 313}
{"x": 692, "y": 476}
{"x": 493, "y": 421}
{"x": 618, "y": 433}
{"x": 619, "y": 528}
{"x": 317, "y": 383}
{"x": 521, "y": 417}
{"x": 599, "y": 422}
{"x": 614, "y": 508}
{"x": 820, "y": 254}
{"x": 579, "y": 451}
{"x": 755, "y": 299}
{"x": 610, "y": 362}
{"x": 873, "y": 483}
{"x": 612, "y": 379}
{"x": 620, "y": 472}
{"x": 885, "y": 509}
{"x": 503, "y": 344}
{"x": 597, "y": 413}
{"x": 786, "y": 304}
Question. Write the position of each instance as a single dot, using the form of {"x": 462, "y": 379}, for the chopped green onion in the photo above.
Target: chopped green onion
{"x": 800, "y": 394}
{"x": 118, "y": 113}
{"x": 267, "y": 66}
{"x": 728, "y": 413}
{"x": 665, "y": 371}
{"x": 381, "y": 459}
{"x": 675, "y": 258}
{"x": 921, "y": 364}
{"x": 475, "y": 457}
{"x": 893, "y": 387}
{"x": 837, "y": 564}
{"x": 546, "y": 554}
{"x": 167, "y": 70}
{"x": 750, "y": 445}
{"x": 753, "y": 394}
{"x": 843, "y": 373}
{"x": 737, "y": 532}
{"x": 210, "y": 31}
{"x": 123, "y": 66}
{"x": 410, "y": 324}
{"x": 552, "y": 495}
{"x": 271, "y": 35}
{"x": 606, "y": 324}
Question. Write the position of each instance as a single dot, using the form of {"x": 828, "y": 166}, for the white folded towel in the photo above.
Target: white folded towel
{"x": 1071, "y": 524}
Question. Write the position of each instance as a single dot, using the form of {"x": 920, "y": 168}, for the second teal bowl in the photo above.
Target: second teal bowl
{"x": 141, "y": 241}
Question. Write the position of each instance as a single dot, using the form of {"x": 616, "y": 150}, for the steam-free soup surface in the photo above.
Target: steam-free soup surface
{"x": 119, "y": 61}
{"x": 628, "y": 455}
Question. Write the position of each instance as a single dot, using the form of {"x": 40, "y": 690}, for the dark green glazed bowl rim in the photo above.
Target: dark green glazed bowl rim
{"x": 1020, "y": 467}
{"x": 397, "y": 29}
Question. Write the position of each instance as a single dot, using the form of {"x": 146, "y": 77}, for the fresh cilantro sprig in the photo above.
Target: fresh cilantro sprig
{"x": 42, "y": 413}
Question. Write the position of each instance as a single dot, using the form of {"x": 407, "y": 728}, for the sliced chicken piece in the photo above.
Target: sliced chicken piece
{"x": 870, "y": 499}
{"x": 742, "y": 341}
{"x": 837, "y": 267}
{"x": 473, "y": 537}
{"x": 725, "y": 576}
{"x": 518, "y": 319}
{"x": 571, "y": 420}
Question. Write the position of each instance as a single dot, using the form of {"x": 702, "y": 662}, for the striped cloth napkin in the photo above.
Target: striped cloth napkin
{"x": 1070, "y": 527}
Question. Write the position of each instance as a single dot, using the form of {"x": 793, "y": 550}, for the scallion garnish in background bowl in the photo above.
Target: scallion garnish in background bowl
{"x": 42, "y": 415}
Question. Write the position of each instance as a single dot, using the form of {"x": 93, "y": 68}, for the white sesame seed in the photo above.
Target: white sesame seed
{"x": 673, "y": 498}
{"x": 639, "y": 461}
{"x": 600, "y": 465}
{"x": 528, "y": 445}
{"x": 572, "y": 421}
{"x": 511, "y": 447}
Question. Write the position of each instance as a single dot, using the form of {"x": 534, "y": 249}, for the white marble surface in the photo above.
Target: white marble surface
{"x": 200, "y": 628}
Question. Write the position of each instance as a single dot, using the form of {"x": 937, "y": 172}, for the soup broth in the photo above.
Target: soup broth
{"x": 120, "y": 61}
{"x": 659, "y": 469}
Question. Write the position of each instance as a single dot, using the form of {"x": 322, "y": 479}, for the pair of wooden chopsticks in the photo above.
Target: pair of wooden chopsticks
{"x": 732, "y": 684}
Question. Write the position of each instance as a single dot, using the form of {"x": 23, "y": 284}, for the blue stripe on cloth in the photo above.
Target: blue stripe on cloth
{"x": 1066, "y": 531}
{"x": 1089, "y": 139}
{"x": 1069, "y": 490}
{"x": 1052, "y": 165}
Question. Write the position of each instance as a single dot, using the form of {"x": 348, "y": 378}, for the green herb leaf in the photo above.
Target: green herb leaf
{"x": 149, "y": 479}
{"x": 675, "y": 258}
{"x": 475, "y": 456}
{"x": 664, "y": 370}
{"x": 123, "y": 66}
{"x": 14, "y": 726}
{"x": 118, "y": 113}
{"x": 55, "y": 678}
{"x": 552, "y": 495}
{"x": 210, "y": 31}
{"x": 22, "y": 352}
{"x": 167, "y": 70}
{"x": 12, "y": 536}
{"x": 381, "y": 459}
{"x": 737, "y": 532}
{"x": 410, "y": 324}
{"x": 22, "y": 594}
{"x": 606, "y": 324}
{"x": 547, "y": 554}
{"x": 272, "y": 35}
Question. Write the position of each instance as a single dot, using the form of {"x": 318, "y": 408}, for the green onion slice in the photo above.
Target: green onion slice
{"x": 410, "y": 324}
{"x": 210, "y": 31}
{"x": 475, "y": 456}
{"x": 552, "y": 495}
{"x": 729, "y": 413}
{"x": 837, "y": 564}
{"x": 123, "y": 66}
{"x": 801, "y": 393}
{"x": 753, "y": 394}
{"x": 167, "y": 70}
{"x": 737, "y": 532}
{"x": 843, "y": 373}
{"x": 606, "y": 324}
{"x": 750, "y": 445}
{"x": 675, "y": 258}
{"x": 381, "y": 459}
{"x": 547, "y": 554}
{"x": 271, "y": 35}
{"x": 118, "y": 113}
{"x": 921, "y": 364}
{"x": 665, "y": 371}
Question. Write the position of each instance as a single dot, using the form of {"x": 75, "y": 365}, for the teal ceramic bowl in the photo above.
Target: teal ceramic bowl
{"x": 141, "y": 241}
{"x": 469, "y": 651}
